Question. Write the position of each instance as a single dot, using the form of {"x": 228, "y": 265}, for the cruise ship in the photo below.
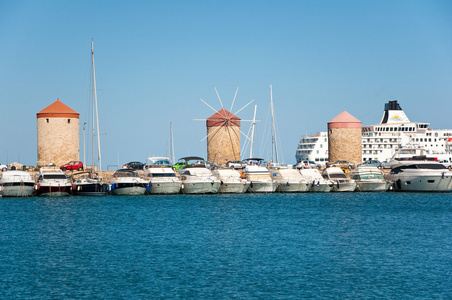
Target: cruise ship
{"x": 380, "y": 141}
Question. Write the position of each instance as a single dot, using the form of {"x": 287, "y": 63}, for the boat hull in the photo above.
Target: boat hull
{"x": 233, "y": 187}
{"x": 203, "y": 187}
{"x": 321, "y": 187}
{"x": 129, "y": 191}
{"x": 54, "y": 191}
{"x": 372, "y": 186}
{"x": 426, "y": 183}
{"x": 292, "y": 187}
{"x": 18, "y": 189}
{"x": 162, "y": 188}
{"x": 344, "y": 187}
{"x": 262, "y": 187}
{"x": 91, "y": 189}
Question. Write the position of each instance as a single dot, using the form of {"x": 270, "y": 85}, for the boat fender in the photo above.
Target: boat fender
{"x": 251, "y": 184}
{"x": 113, "y": 186}
{"x": 399, "y": 184}
{"x": 313, "y": 183}
{"x": 221, "y": 182}
{"x": 338, "y": 184}
{"x": 318, "y": 183}
{"x": 287, "y": 184}
{"x": 442, "y": 175}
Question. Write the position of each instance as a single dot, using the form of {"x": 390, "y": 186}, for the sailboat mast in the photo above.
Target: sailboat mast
{"x": 95, "y": 111}
{"x": 274, "y": 145}
{"x": 171, "y": 143}
{"x": 252, "y": 131}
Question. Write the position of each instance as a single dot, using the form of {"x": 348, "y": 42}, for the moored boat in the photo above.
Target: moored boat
{"x": 369, "y": 179}
{"x": 258, "y": 176}
{"x": 16, "y": 184}
{"x": 289, "y": 180}
{"x": 126, "y": 182}
{"x": 317, "y": 183}
{"x": 161, "y": 176}
{"x": 197, "y": 178}
{"x": 341, "y": 182}
{"x": 231, "y": 181}
{"x": 419, "y": 174}
{"x": 52, "y": 182}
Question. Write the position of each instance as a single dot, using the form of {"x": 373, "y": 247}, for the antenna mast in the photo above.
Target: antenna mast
{"x": 252, "y": 131}
{"x": 274, "y": 145}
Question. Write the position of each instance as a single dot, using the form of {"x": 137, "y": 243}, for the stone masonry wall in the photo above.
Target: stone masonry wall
{"x": 58, "y": 140}
{"x": 345, "y": 144}
{"x": 229, "y": 149}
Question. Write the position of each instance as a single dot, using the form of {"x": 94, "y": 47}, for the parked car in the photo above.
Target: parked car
{"x": 308, "y": 164}
{"x": 73, "y": 165}
{"x": 343, "y": 164}
{"x": 235, "y": 164}
{"x": 3, "y": 167}
{"x": 372, "y": 162}
{"x": 179, "y": 165}
{"x": 135, "y": 165}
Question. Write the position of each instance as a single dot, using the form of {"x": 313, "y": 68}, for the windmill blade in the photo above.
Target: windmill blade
{"x": 209, "y": 134}
{"x": 236, "y": 91}
{"x": 244, "y": 107}
{"x": 245, "y": 135}
{"x": 222, "y": 106}
{"x": 209, "y": 105}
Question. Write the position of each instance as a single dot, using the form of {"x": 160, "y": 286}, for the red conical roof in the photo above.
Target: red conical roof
{"x": 344, "y": 120}
{"x": 57, "y": 110}
{"x": 223, "y": 118}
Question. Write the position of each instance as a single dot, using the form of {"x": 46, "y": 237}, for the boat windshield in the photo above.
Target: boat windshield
{"x": 337, "y": 176}
{"x": 367, "y": 176}
{"x": 125, "y": 174}
{"x": 163, "y": 175}
{"x": 54, "y": 176}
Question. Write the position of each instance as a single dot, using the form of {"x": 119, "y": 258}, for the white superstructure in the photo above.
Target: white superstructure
{"x": 380, "y": 141}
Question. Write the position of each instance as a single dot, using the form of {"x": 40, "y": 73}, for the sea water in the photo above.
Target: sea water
{"x": 275, "y": 246}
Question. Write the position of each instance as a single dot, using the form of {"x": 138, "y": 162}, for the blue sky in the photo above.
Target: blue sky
{"x": 155, "y": 59}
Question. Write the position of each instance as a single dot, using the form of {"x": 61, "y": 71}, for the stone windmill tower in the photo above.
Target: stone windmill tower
{"x": 345, "y": 138}
{"x": 223, "y": 137}
{"x": 58, "y": 134}
{"x": 223, "y": 133}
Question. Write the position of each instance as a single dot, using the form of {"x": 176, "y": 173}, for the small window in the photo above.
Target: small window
{"x": 47, "y": 120}
{"x": 69, "y": 121}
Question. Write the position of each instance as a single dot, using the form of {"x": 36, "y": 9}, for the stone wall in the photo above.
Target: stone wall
{"x": 223, "y": 144}
{"x": 58, "y": 140}
{"x": 345, "y": 144}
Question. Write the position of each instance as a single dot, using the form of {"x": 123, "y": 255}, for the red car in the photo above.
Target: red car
{"x": 73, "y": 165}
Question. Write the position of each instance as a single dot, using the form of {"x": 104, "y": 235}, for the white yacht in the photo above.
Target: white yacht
{"x": 126, "y": 182}
{"x": 369, "y": 179}
{"x": 16, "y": 184}
{"x": 380, "y": 141}
{"x": 419, "y": 174}
{"x": 197, "y": 178}
{"x": 161, "y": 176}
{"x": 258, "y": 176}
{"x": 289, "y": 180}
{"x": 317, "y": 183}
{"x": 53, "y": 182}
{"x": 341, "y": 182}
{"x": 231, "y": 181}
